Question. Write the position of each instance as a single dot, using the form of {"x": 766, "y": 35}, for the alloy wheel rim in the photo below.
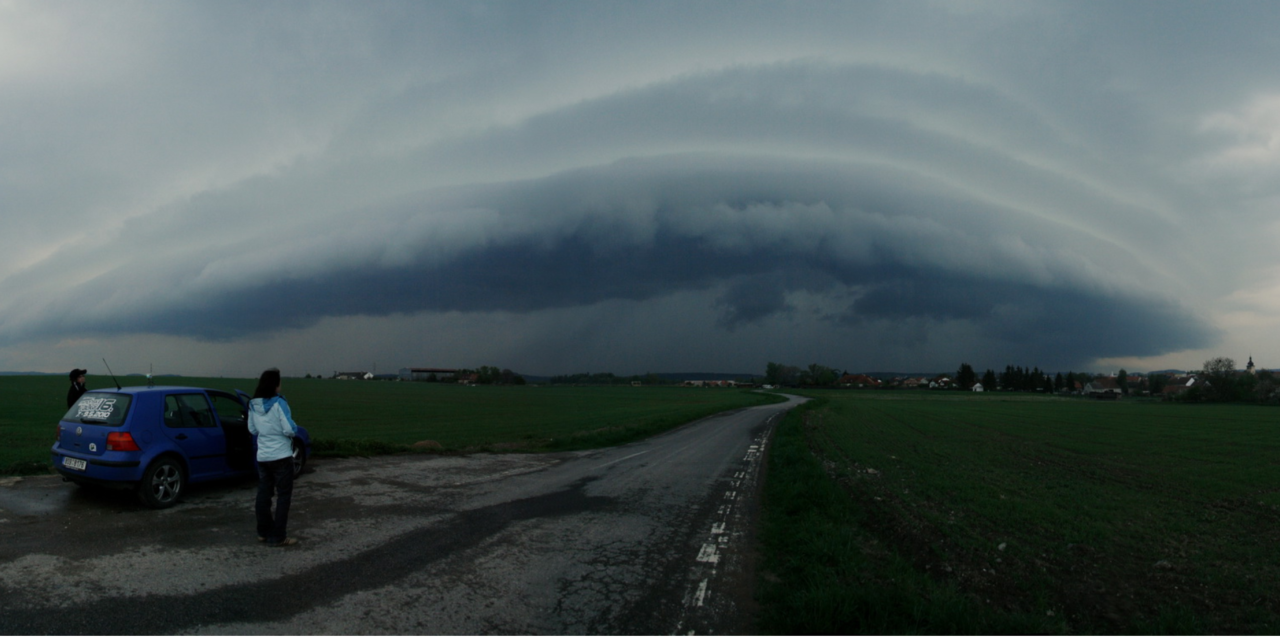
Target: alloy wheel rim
{"x": 165, "y": 483}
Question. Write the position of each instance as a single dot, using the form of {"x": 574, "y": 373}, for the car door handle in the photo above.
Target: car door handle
{"x": 181, "y": 436}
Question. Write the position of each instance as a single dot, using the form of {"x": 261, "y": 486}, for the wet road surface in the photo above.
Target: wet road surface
{"x": 654, "y": 537}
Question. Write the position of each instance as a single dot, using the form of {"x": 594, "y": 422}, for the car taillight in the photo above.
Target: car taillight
{"x": 121, "y": 441}
{"x": 57, "y": 436}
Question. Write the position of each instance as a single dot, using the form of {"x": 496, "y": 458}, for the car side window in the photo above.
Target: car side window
{"x": 227, "y": 407}
{"x": 188, "y": 410}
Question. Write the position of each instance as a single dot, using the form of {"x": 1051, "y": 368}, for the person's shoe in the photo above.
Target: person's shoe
{"x": 286, "y": 542}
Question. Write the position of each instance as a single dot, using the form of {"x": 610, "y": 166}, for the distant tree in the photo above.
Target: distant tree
{"x": 1245, "y": 387}
{"x": 587, "y": 378}
{"x": 1266, "y": 388}
{"x": 989, "y": 380}
{"x": 1122, "y": 380}
{"x": 1139, "y": 385}
{"x": 1156, "y": 382}
{"x": 1220, "y": 366}
{"x": 965, "y": 376}
{"x": 781, "y": 374}
{"x": 1058, "y": 382}
{"x": 488, "y": 375}
{"x": 1219, "y": 372}
{"x": 819, "y": 376}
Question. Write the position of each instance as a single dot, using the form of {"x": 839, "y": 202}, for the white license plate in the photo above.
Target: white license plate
{"x": 75, "y": 463}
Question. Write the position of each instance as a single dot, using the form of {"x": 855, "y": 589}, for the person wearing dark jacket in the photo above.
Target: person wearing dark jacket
{"x": 77, "y": 386}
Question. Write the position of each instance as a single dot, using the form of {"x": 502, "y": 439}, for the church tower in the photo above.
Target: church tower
{"x": 1249, "y": 369}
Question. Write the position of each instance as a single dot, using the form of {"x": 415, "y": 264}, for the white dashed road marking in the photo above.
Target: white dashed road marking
{"x": 701, "y": 594}
{"x": 720, "y": 538}
{"x": 709, "y": 553}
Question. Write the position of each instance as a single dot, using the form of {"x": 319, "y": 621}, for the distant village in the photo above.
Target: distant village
{"x": 1217, "y": 381}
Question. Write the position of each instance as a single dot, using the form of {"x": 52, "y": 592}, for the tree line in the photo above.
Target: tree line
{"x": 609, "y": 378}
{"x": 483, "y": 375}
{"x": 788, "y": 376}
{"x": 1018, "y": 378}
{"x": 1223, "y": 383}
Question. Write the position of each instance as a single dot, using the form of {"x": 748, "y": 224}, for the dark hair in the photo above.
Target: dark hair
{"x": 267, "y": 384}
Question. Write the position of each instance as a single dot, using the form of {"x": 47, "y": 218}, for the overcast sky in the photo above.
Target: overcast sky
{"x": 213, "y": 188}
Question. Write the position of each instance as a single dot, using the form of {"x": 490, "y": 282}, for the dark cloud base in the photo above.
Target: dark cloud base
{"x": 1047, "y": 324}
{"x": 755, "y": 231}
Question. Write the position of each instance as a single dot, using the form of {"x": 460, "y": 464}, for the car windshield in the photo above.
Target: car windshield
{"x": 100, "y": 408}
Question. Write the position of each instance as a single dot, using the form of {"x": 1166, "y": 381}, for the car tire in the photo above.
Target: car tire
{"x": 163, "y": 483}
{"x": 299, "y": 457}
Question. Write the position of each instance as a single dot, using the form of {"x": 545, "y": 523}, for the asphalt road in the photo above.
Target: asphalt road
{"x": 650, "y": 538}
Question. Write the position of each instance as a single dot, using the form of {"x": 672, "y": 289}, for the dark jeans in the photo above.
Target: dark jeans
{"x": 274, "y": 477}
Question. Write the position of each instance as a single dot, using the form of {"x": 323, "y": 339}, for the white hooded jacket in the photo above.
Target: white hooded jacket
{"x": 271, "y": 420}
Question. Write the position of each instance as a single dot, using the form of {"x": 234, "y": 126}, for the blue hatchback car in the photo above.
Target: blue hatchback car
{"x": 154, "y": 440}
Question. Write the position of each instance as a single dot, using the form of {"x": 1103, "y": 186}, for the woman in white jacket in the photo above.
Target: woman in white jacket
{"x": 272, "y": 422}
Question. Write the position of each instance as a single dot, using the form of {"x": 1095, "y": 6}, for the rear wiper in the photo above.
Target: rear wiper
{"x": 92, "y": 421}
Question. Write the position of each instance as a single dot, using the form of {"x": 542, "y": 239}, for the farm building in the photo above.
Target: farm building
{"x": 1182, "y": 384}
{"x": 859, "y": 380}
{"x": 1102, "y": 387}
{"x": 942, "y": 382}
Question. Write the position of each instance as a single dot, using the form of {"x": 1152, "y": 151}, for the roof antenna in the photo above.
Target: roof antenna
{"x": 113, "y": 376}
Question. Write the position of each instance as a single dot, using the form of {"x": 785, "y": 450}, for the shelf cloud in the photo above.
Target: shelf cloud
{"x": 651, "y": 187}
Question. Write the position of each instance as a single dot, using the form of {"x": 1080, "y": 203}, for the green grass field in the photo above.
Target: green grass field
{"x": 357, "y": 417}
{"x": 956, "y": 513}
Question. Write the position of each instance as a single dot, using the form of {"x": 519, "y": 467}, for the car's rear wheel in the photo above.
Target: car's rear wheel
{"x": 163, "y": 483}
{"x": 299, "y": 457}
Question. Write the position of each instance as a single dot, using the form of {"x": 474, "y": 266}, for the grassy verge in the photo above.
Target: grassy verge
{"x": 959, "y": 514}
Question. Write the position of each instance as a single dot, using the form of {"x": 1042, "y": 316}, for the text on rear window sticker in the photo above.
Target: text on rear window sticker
{"x": 96, "y": 408}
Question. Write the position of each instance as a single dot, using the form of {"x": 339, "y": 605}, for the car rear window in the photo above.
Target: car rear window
{"x": 100, "y": 408}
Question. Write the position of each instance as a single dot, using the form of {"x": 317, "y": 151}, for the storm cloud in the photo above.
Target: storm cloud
{"x": 872, "y": 187}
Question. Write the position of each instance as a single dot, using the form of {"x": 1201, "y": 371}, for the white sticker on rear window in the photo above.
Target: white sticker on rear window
{"x": 96, "y": 408}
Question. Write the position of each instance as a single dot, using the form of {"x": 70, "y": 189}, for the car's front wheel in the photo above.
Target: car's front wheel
{"x": 163, "y": 483}
{"x": 299, "y": 457}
